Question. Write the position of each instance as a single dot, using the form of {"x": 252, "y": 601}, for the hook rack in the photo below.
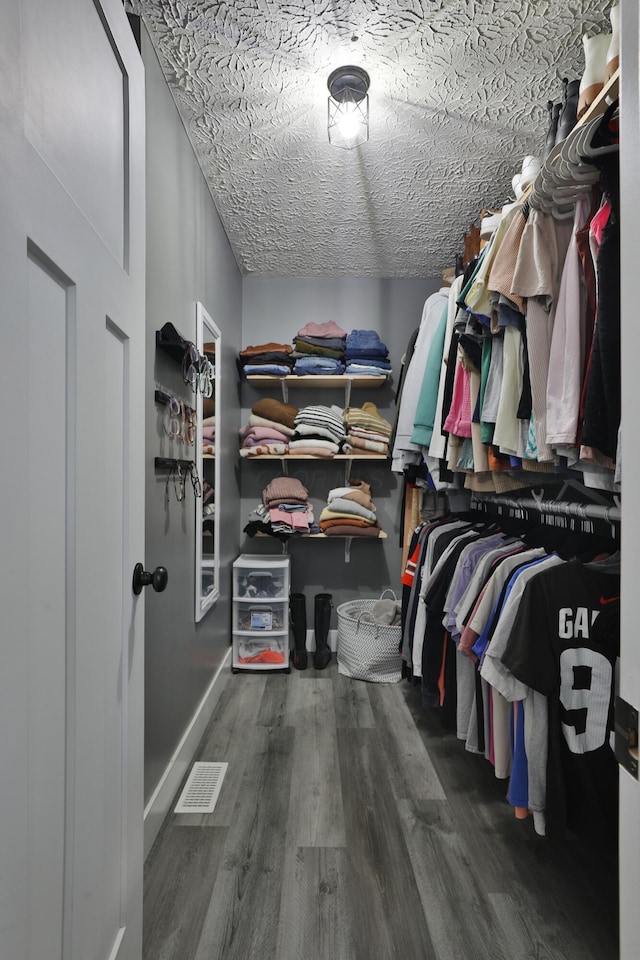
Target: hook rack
{"x": 169, "y": 463}
{"x": 171, "y": 347}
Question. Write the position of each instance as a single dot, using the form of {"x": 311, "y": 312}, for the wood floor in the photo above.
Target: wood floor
{"x": 351, "y": 826}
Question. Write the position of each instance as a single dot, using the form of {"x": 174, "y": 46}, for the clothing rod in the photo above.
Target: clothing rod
{"x": 585, "y": 511}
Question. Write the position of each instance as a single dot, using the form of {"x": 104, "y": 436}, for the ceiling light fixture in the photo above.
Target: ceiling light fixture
{"x": 348, "y": 124}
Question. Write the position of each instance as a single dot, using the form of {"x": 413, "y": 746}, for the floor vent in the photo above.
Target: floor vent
{"x": 202, "y": 788}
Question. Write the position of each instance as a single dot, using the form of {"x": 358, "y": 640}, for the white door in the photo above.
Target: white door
{"x": 71, "y": 483}
{"x": 629, "y": 646}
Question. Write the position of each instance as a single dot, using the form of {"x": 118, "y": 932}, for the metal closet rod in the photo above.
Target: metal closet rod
{"x": 566, "y": 508}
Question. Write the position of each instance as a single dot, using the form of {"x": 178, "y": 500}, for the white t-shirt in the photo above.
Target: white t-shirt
{"x": 431, "y": 316}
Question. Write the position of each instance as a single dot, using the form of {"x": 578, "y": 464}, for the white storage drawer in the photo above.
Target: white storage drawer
{"x": 261, "y": 578}
{"x": 260, "y": 616}
{"x": 260, "y": 653}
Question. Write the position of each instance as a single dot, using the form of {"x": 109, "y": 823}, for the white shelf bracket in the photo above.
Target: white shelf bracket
{"x": 285, "y": 390}
{"x": 347, "y": 471}
{"x": 347, "y": 393}
{"x": 347, "y": 549}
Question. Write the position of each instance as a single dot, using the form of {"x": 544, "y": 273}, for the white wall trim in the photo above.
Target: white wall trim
{"x": 160, "y": 801}
{"x": 311, "y": 640}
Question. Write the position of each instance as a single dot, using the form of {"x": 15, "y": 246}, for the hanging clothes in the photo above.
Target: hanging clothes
{"x": 491, "y": 621}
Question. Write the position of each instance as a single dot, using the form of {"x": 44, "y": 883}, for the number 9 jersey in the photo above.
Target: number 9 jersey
{"x": 565, "y": 644}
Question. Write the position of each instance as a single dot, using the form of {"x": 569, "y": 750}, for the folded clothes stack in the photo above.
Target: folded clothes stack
{"x": 284, "y": 511}
{"x": 209, "y": 436}
{"x": 319, "y": 349}
{"x": 270, "y": 428}
{"x": 319, "y": 431}
{"x": 208, "y": 505}
{"x": 257, "y": 441}
{"x": 274, "y": 359}
{"x": 367, "y": 431}
{"x": 366, "y": 354}
{"x": 350, "y": 512}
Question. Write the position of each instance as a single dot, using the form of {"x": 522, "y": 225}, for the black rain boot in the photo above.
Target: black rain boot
{"x": 554, "y": 115}
{"x": 569, "y": 113}
{"x": 321, "y": 623}
{"x": 298, "y": 621}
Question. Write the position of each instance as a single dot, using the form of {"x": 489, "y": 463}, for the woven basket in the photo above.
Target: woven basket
{"x": 367, "y": 651}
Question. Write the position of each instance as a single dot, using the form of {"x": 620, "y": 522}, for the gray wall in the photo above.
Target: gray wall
{"x": 275, "y": 309}
{"x": 188, "y": 259}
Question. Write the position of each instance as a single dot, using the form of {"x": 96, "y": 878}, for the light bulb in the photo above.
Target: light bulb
{"x": 350, "y": 121}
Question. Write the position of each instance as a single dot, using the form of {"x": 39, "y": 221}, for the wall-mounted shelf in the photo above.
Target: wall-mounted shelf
{"x": 322, "y": 536}
{"x": 318, "y": 381}
{"x": 343, "y": 382}
{"x": 170, "y": 347}
{"x": 344, "y": 458}
{"x": 338, "y": 456}
{"x": 608, "y": 93}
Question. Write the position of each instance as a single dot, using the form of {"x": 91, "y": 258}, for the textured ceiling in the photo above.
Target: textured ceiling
{"x": 457, "y": 98}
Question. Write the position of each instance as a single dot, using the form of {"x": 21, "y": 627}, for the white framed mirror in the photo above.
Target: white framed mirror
{"x": 207, "y": 526}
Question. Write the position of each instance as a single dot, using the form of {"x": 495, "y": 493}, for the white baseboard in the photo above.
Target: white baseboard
{"x": 163, "y": 795}
{"x": 311, "y": 640}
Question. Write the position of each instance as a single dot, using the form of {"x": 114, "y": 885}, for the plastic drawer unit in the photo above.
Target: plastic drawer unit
{"x": 260, "y": 619}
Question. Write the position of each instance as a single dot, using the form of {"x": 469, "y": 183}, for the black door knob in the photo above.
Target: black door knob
{"x": 141, "y": 578}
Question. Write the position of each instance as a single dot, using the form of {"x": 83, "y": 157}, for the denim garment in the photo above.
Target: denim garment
{"x": 266, "y": 369}
{"x": 364, "y": 338}
{"x": 318, "y": 365}
{"x": 366, "y": 350}
{"x": 508, "y": 316}
{"x": 365, "y": 370}
{"x": 371, "y": 360}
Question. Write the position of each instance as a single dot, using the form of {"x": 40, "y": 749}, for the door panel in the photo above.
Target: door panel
{"x": 629, "y": 647}
{"x": 46, "y": 479}
{"x": 115, "y": 668}
{"x": 72, "y": 490}
{"x": 76, "y": 121}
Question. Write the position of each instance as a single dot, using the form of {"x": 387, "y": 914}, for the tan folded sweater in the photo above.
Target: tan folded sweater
{"x": 340, "y": 521}
{"x": 351, "y": 493}
{"x": 256, "y": 421}
{"x": 351, "y": 530}
{"x": 375, "y": 446}
{"x": 276, "y": 410}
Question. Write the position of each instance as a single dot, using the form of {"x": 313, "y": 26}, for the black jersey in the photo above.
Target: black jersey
{"x": 565, "y": 643}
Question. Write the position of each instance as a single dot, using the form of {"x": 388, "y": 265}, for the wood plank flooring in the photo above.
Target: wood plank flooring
{"x": 351, "y": 826}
